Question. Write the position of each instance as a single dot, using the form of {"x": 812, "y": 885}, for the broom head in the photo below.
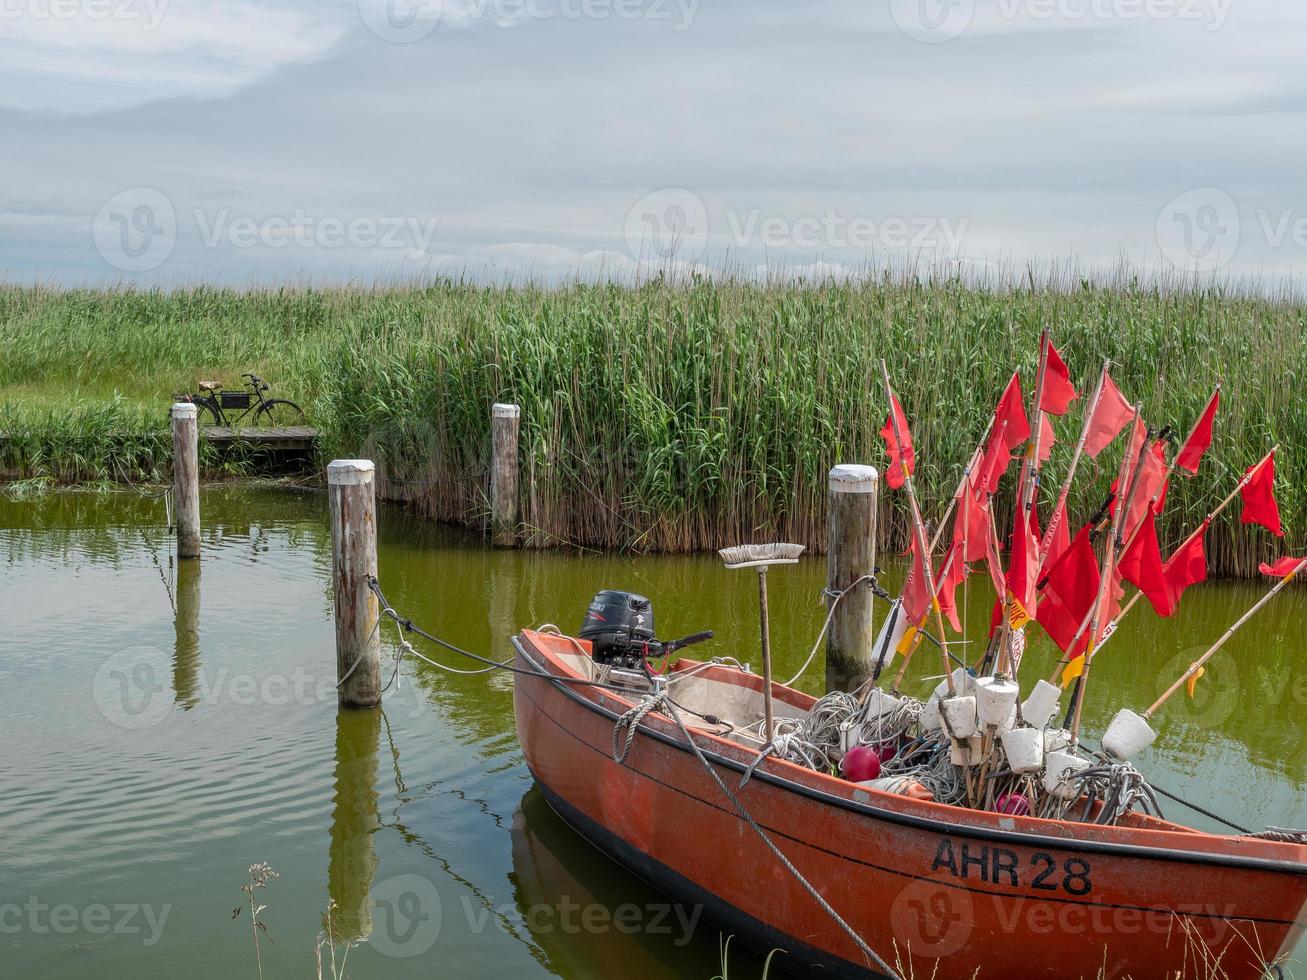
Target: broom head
{"x": 758, "y": 555}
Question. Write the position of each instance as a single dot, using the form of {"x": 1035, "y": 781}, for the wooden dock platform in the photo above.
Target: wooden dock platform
{"x": 290, "y": 438}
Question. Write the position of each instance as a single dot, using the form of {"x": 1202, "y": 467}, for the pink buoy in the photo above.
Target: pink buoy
{"x": 860, "y": 764}
{"x": 1014, "y": 804}
{"x": 886, "y": 751}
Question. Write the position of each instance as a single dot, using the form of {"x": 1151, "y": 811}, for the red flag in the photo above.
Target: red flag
{"x": 1111, "y": 414}
{"x": 1023, "y": 568}
{"x": 1188, "y": 566}
{"x": 1058, "y": 534}
{"x": 1191, "y": 453}
{"x": 1150, "y": 482}
{"x": 916, "y": 596}
{"x": 1073, "y": 582}
{"x": 1011, "y": 429}
{"x": 1283, "y": 568}
{"x": 894, "y": 475}
{"x": 1058, "y": 390}
{"x": 1046, "y": 439}
{"x": 971, "y": 523}
{"x": 953, "y": 571}
{"x": 1259, "y": 506}
{"x": 1141, "y": 566}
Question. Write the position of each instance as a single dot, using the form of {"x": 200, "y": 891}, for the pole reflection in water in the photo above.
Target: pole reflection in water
{"x": 354, "y": 820}
{"x": 186, "y": 646}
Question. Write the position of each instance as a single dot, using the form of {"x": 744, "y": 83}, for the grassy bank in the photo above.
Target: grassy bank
{"x": 670, "y": 417}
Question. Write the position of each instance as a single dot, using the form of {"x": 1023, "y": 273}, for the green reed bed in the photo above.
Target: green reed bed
{"x": 675, "y": 417}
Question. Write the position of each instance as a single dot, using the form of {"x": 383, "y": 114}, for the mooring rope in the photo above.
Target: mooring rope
{"x": 836, "y": 597}
{"x": 636, "y": 715}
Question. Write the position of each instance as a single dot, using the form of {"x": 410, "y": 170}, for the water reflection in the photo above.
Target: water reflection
{"x": 186, "y": 646}
{"x": 355, "y": 818}
{"x": 585, "y": 915}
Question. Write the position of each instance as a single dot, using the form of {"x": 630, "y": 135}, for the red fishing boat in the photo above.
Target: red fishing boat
{"x": 936, "y": 890}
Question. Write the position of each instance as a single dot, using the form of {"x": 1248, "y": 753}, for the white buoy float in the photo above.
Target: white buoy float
{"x": 1128, "y": 735}
{"x": 1025, "y": 749}
{"x": 959, "y": 715}
{"x": 1040, "y": 707}
{"x": 996, "y": 699}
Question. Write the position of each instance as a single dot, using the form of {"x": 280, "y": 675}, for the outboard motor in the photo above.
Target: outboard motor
{"x": 620, "y": 628}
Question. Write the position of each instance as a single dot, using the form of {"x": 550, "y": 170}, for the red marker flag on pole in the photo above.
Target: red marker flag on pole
{"x": 1058, "y": 392}
{"x": 954, "y": 571}
{"x": 1060, "y": 530}
{"x": 1150, "y": 482}
{"x": 1259, "y": 506}
{"x": 1073, "y": 582}
{"x": 1191, "y": 453}
{"x": 1011, "y": 428}
{"x": 898, "y": 455}
{"x": 1141, "y": 566}
{"x": 971, "y": 523}
{"x": 1188, "y": 566}
{"x": 1111, "y": 414}
{"x": 1023, "y": 569}
{"x": 1283, "y": 568}
{"x": 1047, "y": 439}
{"x": 916, "y": 596}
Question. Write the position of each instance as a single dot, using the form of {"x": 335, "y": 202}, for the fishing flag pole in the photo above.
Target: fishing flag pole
{"x": 1128, "y": 476}
{"x": 1134, "y": 599}
{"x": 919, "y": 530}
{"x": 1196, "y": 667}
{"x": 1059, "y": 510}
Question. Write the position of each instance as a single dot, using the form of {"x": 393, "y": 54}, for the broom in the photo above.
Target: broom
{"x": 762, "y": 557}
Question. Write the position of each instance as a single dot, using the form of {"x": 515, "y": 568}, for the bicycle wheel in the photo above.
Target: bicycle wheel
{"x": 278, "y": 413}
{"x": 208, "y": 412}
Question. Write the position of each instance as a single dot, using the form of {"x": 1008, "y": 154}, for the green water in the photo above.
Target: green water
{"x": 167, "y": 726}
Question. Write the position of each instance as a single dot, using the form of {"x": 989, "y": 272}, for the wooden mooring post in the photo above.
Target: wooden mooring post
{"x": 504, "y": 420}
{"x": 351, "y": 493}
{"x": 851, "y": 554}
{"x": 186, "y": 477}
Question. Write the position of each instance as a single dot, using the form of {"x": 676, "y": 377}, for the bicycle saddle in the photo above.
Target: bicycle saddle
{"x": 210, "y": 385}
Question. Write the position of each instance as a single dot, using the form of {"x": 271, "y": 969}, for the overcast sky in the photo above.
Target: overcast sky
{"x": 175, "y": 141}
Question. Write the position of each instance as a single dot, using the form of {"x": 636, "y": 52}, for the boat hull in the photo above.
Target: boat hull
{"x": 935, "y": 890}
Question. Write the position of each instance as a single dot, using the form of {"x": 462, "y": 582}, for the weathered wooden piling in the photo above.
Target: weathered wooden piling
{"x": 504, "y": 421}
{"x": 851, "y": 554}
{"x": 186, "y": 478}
{"x": 351, "y": 493}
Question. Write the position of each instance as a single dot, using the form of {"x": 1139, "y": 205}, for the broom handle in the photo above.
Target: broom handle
{"x": 918, "y": 528}
{"x": 766, "y": 653}
{"x": 1198, "y": 664}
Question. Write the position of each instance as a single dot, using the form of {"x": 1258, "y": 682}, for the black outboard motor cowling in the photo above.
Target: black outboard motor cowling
{"x": 619, "y": 626}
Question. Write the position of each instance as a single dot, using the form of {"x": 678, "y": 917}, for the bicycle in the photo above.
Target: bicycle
{"x": 269, "y": 413}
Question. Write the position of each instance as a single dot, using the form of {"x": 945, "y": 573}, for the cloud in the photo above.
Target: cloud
{"x": 815, "y": 140}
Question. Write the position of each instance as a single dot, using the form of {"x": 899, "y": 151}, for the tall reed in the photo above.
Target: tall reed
{"x": 669, "y": 416}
